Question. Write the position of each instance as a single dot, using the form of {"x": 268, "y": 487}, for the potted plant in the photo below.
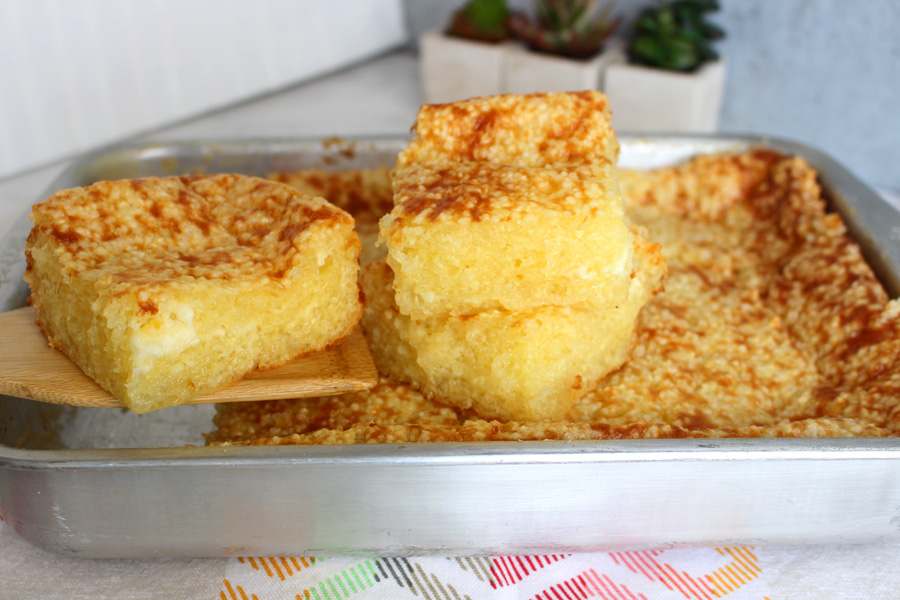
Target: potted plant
{"x": 486, "y": 49}
{"x": 468, "y": 58}
{"x": 563, "y": 46}
{"x": 669, "y": 78}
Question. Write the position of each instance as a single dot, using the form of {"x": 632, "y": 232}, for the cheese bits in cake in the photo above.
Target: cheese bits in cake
{"x": 163, "y": 289}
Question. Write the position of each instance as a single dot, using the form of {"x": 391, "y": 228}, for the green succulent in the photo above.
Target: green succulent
{"x": 674, "y": 35}
{"x": 483, "y": 20}
{"x": 572, "y": 28}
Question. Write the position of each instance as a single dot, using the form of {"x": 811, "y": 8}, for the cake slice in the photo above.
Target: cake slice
{"x": 509, "y": 203}
{"x": 163, "y": 289}
{"x": 508, "y": 365}
{"x": 468, "y": 237}
{"x": 535, "y": 130}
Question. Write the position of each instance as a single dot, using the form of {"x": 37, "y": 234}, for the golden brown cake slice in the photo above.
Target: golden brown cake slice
{"x": 162, "y": 289}
{"x": 509, "y": 365}
{"x": 509, "y": 202}
{"x": 466, "y": 237}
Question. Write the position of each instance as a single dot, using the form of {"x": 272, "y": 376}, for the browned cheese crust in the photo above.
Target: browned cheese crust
{"x": 533, "y": 130}
{"x": 365, "y": 194}
{"x": 162, "y": 231}
{"x": 771, "y": 325}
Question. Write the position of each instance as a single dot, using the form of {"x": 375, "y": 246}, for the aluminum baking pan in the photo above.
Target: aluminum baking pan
{"x": 110, "y": 483}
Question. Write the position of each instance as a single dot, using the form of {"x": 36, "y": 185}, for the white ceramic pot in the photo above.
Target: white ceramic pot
{"x": 528, "y": 71}
{"x": 455, "y": 69}
{"x": 644, "y": 99}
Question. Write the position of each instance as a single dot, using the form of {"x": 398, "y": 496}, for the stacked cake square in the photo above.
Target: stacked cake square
{"x": 512, "y": 282}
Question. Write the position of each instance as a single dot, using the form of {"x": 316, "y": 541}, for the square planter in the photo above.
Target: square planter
{"x": 644, "y": 99}
{"x": 528, "y": 71}
{"x": 455, "y": 69}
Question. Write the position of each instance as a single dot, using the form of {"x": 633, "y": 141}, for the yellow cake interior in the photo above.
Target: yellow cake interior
{"x": 509, "y": 202}
{"x": 510, "y": 365}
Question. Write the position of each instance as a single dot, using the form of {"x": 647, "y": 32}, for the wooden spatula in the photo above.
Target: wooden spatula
{"x": 29, "y": 368}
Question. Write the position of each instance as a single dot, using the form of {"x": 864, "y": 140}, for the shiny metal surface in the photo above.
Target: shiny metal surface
{"x": 108, "y": 483}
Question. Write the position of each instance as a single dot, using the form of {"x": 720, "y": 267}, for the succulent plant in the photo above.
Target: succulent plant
{"x": 482, "y": 20}
{"x": 572, "y": 28}
{"x": 674, "y": 35}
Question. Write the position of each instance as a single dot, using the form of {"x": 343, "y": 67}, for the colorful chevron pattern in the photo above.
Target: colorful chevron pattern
{"x": 692, "y": 574}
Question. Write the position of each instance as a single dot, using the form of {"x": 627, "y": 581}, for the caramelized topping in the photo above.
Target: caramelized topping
{"x": 533, "y": 130}
{"x": 155, "y": 230}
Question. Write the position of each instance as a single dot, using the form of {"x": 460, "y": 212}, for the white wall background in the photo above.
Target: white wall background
{"x": 78, "y": 74}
